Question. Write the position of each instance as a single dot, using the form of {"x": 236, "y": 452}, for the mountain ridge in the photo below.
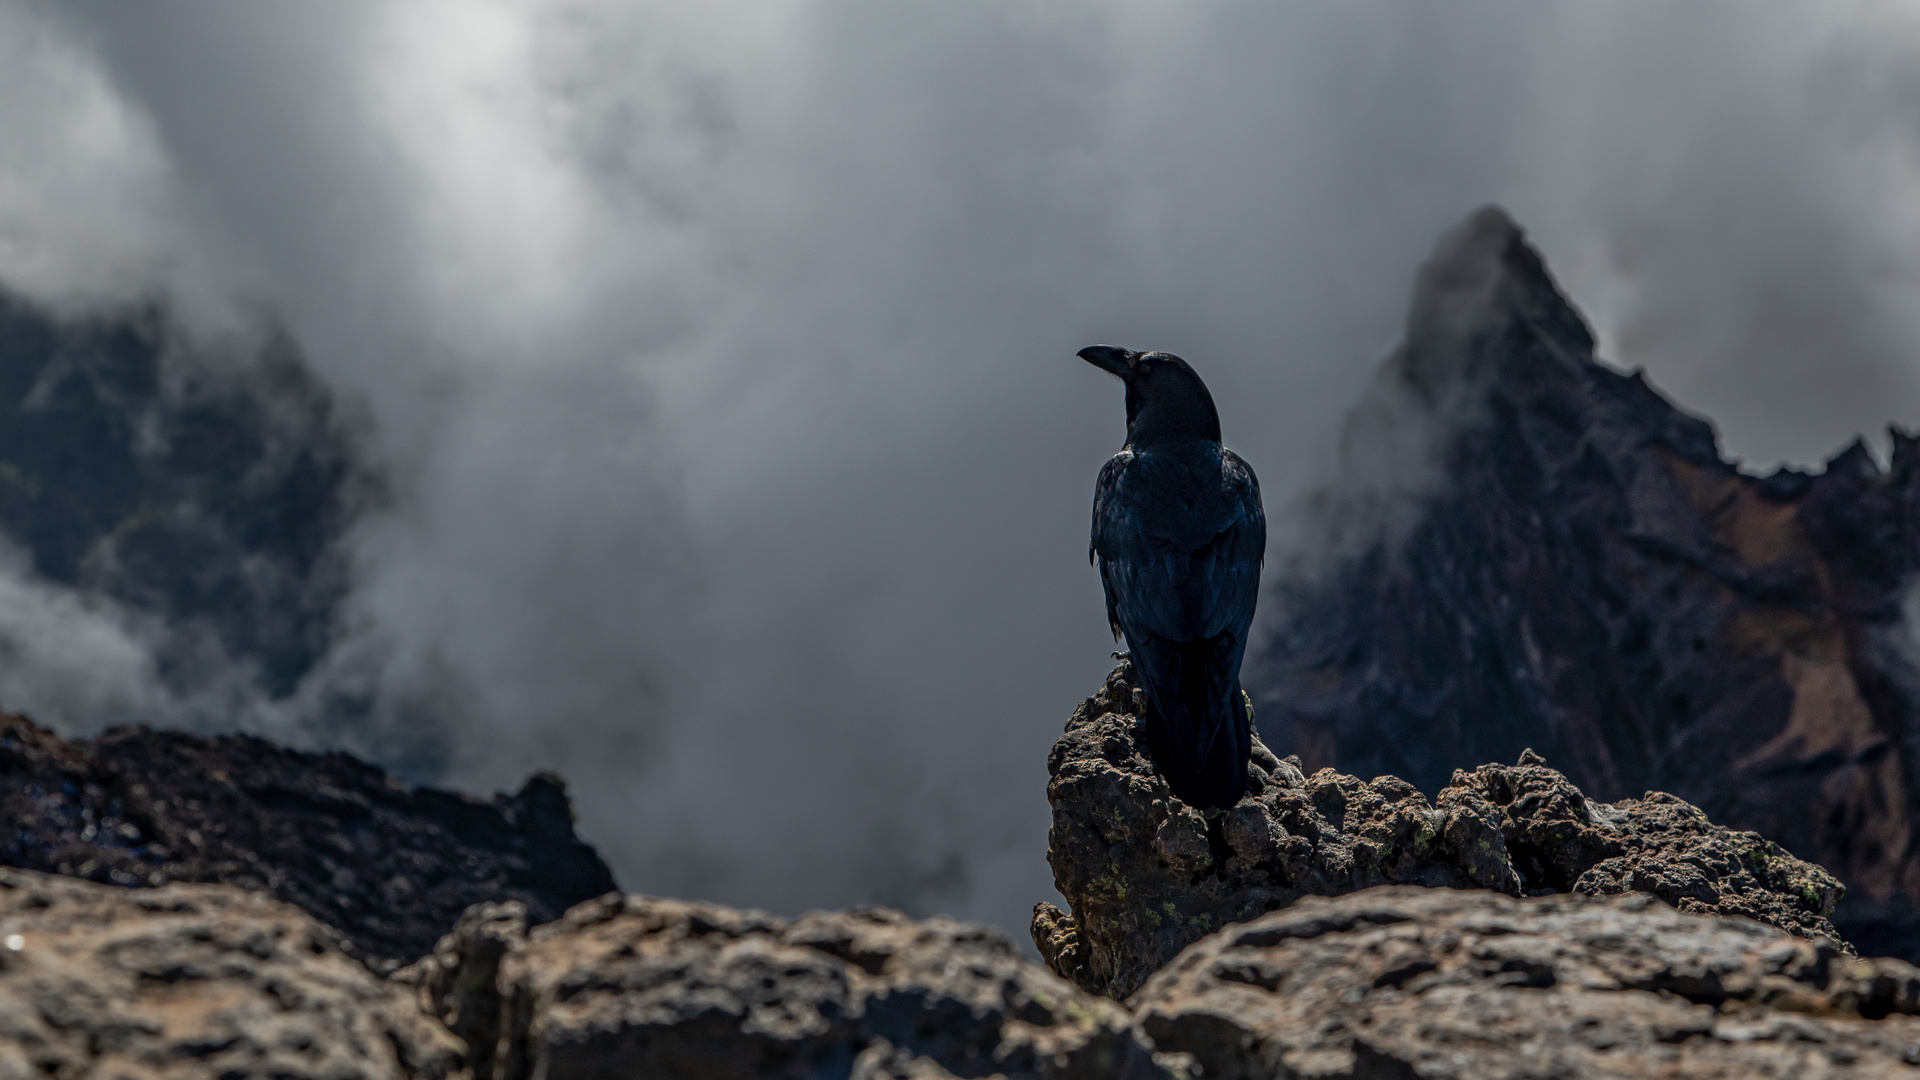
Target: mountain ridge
{"x": 1580, "y": 571}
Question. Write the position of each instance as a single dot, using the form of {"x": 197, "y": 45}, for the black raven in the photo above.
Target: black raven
{"x": 1178, "y": 537}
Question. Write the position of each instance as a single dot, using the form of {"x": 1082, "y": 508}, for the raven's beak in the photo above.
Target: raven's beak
{"x": 1111, "y": 358}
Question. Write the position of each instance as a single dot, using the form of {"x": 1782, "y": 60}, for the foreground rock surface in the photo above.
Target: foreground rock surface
{"x": 637, "y": 986}
{"x": 1146, "y": 875}
{"x": 1401, "y": 982}
{"x": 193, "y": 981}
{"x": 1392, "y": 982}
{"x": 391, "y": 866}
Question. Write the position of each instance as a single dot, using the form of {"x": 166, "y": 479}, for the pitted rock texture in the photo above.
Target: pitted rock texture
{"x": 390, "y": 865}
{"x": 637, "y": 986}
{"x": 1532, "y": 548}
{"x": 1559, "y": 841}
{"x": 194, "y": 981}
{"x": 1146, "y": 875}
{"x": 1439, "y": 984}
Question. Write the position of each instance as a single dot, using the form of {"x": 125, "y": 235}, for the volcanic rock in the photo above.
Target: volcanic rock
{"x": 194, "y": 981}
{"x": 389, "y": 865}
{"x": 1146, "y": 875}
{"x": 1399, "y": 982}
{"x": 1531, "y": 549}
{"x": 638, "y": 986}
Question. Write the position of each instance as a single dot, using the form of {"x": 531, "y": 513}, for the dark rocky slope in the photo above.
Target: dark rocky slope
{"x": 1147, "y": 875}
{"x": 389, "y": 865}
{"x": 1559, "y": 558}
{"x": 206, "y": 486}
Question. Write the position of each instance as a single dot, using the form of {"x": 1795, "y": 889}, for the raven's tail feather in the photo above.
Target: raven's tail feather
{"x": 1198, "y": 731}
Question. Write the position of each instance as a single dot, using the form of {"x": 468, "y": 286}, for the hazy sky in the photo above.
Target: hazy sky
{"x": 721, "y": 355}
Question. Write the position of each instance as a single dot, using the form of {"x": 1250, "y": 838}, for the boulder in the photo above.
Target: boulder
{"x": 638, "y": 986}
{"x": 1397, "y": 982}
{"x": 390, "y": 865}
{"x": 1147, "y": 875}
{"x": 194, "y": 981}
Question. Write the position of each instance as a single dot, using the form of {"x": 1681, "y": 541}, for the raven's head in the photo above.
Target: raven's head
{"x": 1166, "y": 401}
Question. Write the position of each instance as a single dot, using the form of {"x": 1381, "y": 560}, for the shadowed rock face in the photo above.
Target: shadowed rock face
{"x": 1402, "y": 982}
{"x": 1146, "y": 875}
{"x": 638, "y": 986}
{"x": 210, "y": 492}
{"x": 391, "y": 866}
{"x": 1563, "y": 560}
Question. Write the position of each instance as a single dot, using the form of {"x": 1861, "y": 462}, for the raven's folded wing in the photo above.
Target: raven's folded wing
{"x": 1180, "y": 569}
{"x": 1225, "y": 576}
{"x": 1179, "y": 556}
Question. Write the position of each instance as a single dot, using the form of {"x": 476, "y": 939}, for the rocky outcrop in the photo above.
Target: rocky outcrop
{"x": 1403, "y": 982}
{"x": 194, "y": 981}
{"x": 1532, "y": 549}
{"x": 389, "y": 865}
{"x": 1147, "y": 875}
{"x": 637, "y": 986}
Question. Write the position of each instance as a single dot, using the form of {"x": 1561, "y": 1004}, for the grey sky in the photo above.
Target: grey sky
{"x": 722, "y": 355}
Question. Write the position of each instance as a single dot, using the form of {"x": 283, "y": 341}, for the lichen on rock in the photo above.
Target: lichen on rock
{"x": 1147, "y": 875}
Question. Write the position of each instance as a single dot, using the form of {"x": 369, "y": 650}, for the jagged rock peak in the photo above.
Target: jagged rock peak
{"x": 1529, "y": 548}
{"x": 1488, "y": 336}
{"x": 1485, "y": 282}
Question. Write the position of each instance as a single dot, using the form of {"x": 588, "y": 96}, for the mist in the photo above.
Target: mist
{"x": 719, "y": 359}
